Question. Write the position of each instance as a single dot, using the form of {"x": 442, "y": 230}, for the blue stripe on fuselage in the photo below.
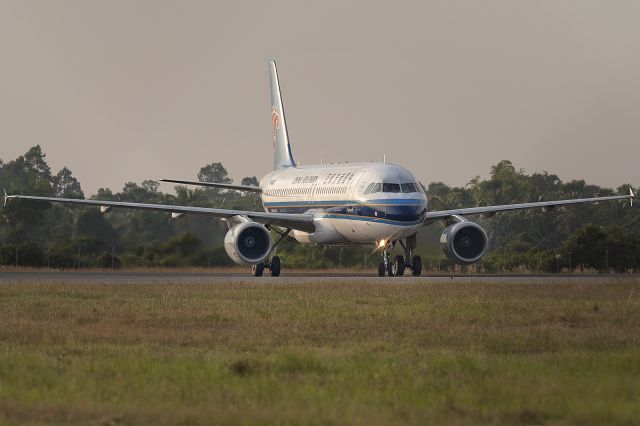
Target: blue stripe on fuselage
{"x": 395, "y": 210}
{"x": 336, "y": 203}
{"x": 374, "y": 219}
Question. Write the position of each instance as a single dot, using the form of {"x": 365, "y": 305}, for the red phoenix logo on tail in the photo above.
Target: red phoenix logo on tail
{"x": 275, "y": 124}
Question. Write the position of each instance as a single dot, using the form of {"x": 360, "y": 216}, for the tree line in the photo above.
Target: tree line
{"x": 594, "y": 237}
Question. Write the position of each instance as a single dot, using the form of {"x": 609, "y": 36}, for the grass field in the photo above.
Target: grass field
{"x": 320, "y": 353}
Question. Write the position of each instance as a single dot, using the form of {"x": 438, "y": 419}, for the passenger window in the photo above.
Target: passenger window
{"x": 408, "y": 187}
{"x": 390, "y": 187}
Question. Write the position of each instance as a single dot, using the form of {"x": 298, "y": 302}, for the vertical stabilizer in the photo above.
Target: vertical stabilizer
{"x": 281, "y": 149}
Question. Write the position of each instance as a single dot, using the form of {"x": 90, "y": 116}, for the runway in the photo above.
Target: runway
{"x": 93, "y": 277}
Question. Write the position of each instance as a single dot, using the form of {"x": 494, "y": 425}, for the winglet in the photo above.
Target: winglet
{"x": 631, "y": 196}
{"x": 5, "y": 197}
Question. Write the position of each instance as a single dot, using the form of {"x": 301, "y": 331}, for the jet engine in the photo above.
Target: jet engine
{"x": 464, "y": 242}
{"x": 248, "y": 243}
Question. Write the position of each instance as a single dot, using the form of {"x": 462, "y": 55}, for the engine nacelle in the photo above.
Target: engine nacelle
{"x": 248, "y": 243}
{"x": 464, "y": 242}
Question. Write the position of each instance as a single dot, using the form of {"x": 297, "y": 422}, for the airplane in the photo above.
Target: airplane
{"x": 374, "y": 203}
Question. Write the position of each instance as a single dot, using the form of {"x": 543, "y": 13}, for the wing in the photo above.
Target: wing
{"x": 300, "y": 222}
{"x": 216, "y": 185}
{"x": 490, "y": 210}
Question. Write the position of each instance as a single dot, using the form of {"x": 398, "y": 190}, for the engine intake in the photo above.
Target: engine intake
{"x": 464, "y": 242}
{"x": 248, "y": 243}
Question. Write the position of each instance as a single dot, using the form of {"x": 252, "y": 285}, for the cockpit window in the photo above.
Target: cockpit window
{"x": 369, "y": 188}
{"x": 376, "y": 188}
{"x": 408, "y": 187}
{"x": 421, "y": 187}
{"x": 390, "y": 187}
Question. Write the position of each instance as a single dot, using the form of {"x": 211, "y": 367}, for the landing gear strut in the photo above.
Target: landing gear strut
{"x": 413, "y": 263}
{"x": 272, "y": 263}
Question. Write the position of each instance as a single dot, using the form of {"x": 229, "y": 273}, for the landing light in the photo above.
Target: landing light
{"x": 382, "y": 243}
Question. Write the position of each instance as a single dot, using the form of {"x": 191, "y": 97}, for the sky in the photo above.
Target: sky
{"x": 131, "y": 90}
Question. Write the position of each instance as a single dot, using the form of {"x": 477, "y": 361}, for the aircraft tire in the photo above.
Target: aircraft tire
{"x": 416, "y": 266}
{"x": 398, "y": 266}
{"x": 381, "y": 269}
{"x": 275, "y": 266}
{"x": 257, "y": 270}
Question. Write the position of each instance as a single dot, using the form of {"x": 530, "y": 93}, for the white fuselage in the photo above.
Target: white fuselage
{"x": 352, "y": 203}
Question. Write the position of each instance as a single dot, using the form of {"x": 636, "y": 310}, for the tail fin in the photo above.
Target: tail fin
{"x": 281, "y": 149}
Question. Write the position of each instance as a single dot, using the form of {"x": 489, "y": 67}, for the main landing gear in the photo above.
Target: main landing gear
{"x": 400, "y": 262}
{"x": 272, "y": 263}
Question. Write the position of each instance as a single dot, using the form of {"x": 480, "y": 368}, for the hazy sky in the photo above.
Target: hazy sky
{"x": 134, "y": 90}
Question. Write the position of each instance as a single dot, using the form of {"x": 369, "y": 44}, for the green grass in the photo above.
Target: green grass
{"x": 320, "y": 353}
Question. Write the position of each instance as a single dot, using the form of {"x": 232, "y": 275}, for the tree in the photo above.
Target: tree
{"x": 30, "y": 254}
{"x": 66, "y": 186}
{"x": 27, "y": 174}
{"x": 35, "y": 159}
{"x": 438, "y": 193}
{"x": 214, "y": 172}
{"x": 190, "y": 197}
{"x": 587, "y": 247}
{"x": 248, "y": 200}
{"x": 92, "y": 224}
{"x": 250, "y": 181}
{"x": 147, "y": 192}
{"x": 55, "y": 234}
{"x": 104, "y": 194}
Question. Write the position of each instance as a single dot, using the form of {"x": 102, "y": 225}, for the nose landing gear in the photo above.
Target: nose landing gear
{"x": 385, "y": 265}
{"x": 400, "y": 262}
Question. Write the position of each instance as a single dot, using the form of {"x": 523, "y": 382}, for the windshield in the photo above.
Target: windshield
{"x": 390, "y": 187}
{"x": 408, "y": 187}
{"x": 405, "y": 188}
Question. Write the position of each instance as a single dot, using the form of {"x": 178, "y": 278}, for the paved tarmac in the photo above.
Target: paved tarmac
{"x": 293, "y": 277}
